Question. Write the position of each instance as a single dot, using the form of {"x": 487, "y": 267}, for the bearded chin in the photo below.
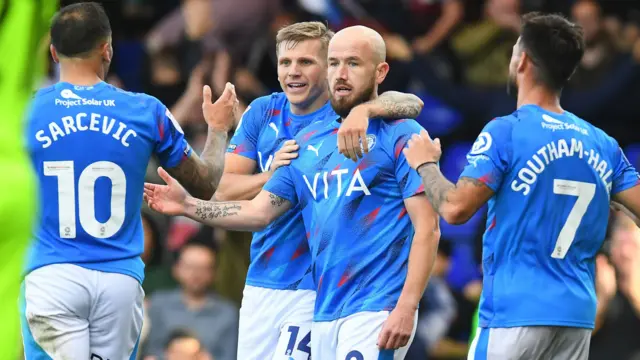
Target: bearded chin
{"x": 342, "y": 106}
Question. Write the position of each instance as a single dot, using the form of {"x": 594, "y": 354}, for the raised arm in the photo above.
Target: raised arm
{"x": 456, "y": 203}
{"x": 391, "y": 105}
{"x": 399, "y": 326}
{"x": 200, "y": 175}
{"x": 244, "y": 215}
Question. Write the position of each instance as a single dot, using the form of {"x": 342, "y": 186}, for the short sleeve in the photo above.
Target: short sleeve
{"x": 245, "y": 140}
{"x": 625, "y": 175}
{"x": 489, "y": 157}
{"x": 282, "y": 184}
{"x": 408, "y": 179}
{"x": 171, "y": 146}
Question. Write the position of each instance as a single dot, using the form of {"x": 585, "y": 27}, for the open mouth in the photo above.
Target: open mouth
{"x": 343, "y": 90}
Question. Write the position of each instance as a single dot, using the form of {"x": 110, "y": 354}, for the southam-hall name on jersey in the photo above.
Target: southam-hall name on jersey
{"x": 552, "y": 151}
{"x": 85, "y": 122}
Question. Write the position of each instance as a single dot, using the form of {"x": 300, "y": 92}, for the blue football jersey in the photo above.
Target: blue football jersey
{"x": 553, "y": 176}
{"x": 280, "y": 257}
{"x": 358, "y": 228}
{"x": 90, "y": 147}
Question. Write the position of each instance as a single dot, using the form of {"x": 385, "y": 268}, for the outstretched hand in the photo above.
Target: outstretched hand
{"x": 168, "y": 199}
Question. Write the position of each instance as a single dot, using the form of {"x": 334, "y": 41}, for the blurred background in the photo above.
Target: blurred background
{"x": 454, "y": 55}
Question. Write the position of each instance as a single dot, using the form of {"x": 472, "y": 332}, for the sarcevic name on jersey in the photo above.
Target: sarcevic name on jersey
{"x": 90, "y": 147}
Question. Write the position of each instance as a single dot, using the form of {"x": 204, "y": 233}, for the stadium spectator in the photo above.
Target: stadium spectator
{"x": 600, "y": 52}
{"x": 183, "y": 345}
{"x": 194, "y": 306}
{"x": 618, "y": 289}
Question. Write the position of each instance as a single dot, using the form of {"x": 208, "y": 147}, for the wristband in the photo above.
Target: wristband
{"x": 424, "y": 164}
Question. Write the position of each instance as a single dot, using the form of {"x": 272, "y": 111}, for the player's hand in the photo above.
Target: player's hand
{"x": 220, "y": 115}
{"x": 421, "y": 149}
{"x": 283, "y": 157}
{"x": 606, "y": 286}
{"x": 397, "y": 329}
{"x": 167, "y": 199}
{"x": 352, "y": 135}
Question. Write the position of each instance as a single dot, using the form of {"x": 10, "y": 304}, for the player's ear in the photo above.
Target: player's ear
{"x": 381, "y": 72}
{"x": 523, "y": 62}
{"x": 107, "y": 51}
{"x": 54, "y": 54}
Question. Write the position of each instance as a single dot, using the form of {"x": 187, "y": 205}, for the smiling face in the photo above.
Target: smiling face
{"x": 302, "y": 73}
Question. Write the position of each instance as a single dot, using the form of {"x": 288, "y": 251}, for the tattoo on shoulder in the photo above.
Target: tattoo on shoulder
{"x": 276, "y": 201}
{"x": 206, "y": 210}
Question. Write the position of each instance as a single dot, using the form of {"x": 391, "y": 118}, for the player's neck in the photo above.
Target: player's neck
{"x": 301, "y": 110}
{"x": 541, "y": 97}
{"x": 78, "y": 74}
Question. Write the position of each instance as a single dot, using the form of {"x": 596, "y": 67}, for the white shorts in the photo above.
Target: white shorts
{"x": 275, "y": 324}
{"x": 354, "y": 337}
{"x": 69, "y": 312}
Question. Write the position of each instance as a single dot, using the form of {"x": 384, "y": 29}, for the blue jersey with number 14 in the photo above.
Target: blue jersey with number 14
{"x": 553, "y": 176}
{"x": 90, "y": 147}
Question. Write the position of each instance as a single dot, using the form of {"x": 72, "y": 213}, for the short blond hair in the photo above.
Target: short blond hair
{"x": 302, "y": 31}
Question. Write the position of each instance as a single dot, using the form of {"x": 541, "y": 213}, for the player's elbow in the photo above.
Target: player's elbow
{"x": 456, "y": 215}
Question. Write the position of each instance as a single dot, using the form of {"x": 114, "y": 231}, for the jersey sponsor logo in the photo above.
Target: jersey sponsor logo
{"x": 552, "y": 124}
{"x": 356, "y": 183}
{"x": 527, "y": 176}
{"x": 274, "y": 128}
{"x": 482, "y": 144}
{"x": 69, "y": 99}
{"x": 314, "y": 149}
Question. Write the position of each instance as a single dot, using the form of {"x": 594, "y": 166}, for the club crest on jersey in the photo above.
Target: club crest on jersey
{"x": 482, "y": 144}
{"x": 371, "y": 142}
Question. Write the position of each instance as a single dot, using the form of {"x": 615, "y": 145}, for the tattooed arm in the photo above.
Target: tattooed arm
{"x": 245, "y": 215}
{"x": 456, "y": 203}
{"x": 200, "y": 175}
{"x": 393, "y": 105}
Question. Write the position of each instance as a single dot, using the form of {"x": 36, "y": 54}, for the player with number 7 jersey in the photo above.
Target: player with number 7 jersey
{"x": 549, "y": 178}
{"x": 90, "y": 144}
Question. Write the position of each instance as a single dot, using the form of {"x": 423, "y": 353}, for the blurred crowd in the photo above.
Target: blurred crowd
{"x": 453, "y": 54}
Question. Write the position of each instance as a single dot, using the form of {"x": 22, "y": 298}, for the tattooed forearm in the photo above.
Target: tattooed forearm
{"x": 213, "y": 210}
{"x": 396, "y": 105}
{"x": 213, "y": 155}
{"x": 276, "y": 201}
{"x": 201, "y": 175}
{"x": 436, "y": 186}
{"x": 455, "y": 203}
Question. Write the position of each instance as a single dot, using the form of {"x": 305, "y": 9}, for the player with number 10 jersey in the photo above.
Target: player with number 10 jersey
{"x": 90, "y": 144}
